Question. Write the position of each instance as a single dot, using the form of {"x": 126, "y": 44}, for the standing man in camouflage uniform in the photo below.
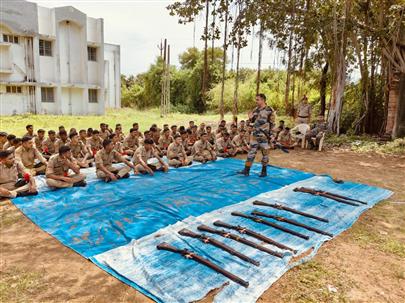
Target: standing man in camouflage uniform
{"x": 262, "y": 119}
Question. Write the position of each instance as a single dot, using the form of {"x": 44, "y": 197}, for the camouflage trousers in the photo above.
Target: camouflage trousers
{"x": 256, "y": 144}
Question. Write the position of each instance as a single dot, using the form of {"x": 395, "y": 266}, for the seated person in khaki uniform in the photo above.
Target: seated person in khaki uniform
{"x": 57, "y": 172}
{"x": 48, "y": 146}
{"x": 177, "y": 155}
{"x": 165, "y": 140}
{"x": 39, "y": 140}
{"x": 285, "y": 138}
{"x": 118, "y": 145}
{"x": 146, "y": 152}
{"x": 10, "y": 138}
{"x": 131, "y": 142}
{"x": 30, "y": 131}
{"x": 119, "y": 133}
{"x": 27, "y": 154}
{"x": 104, "y": 131}
{"x": 234, "y": 131}
{"x": 184, "y": 142}
{"x": 201, "y": 130}
{"x": 63, "y": 139}
{"x": 79, "y": 150}
{"x": 95, "y": 142}
{"x": 242, "y": 125}
{"x": 225, "y": 147}
{"x": 211, "y": 136}
{"x": 240, "y": 142}
{"x": 16, "y": 143}
{"x": 104, "y": 160}
{"x": 203, "y": 151}
{"x": 317, "y": 131}
{"x": 3, "y": 140}
{"x": 15, "y": 181}
{"x": 173, "y": 131}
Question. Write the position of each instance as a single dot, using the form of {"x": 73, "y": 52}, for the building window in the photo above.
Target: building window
{"x": 92, "y": 53}
{"x": 45, "y": 48}
{"x": 13, "y": 89}
{"x": 10, "y": 38}
{"x": 93, "y": 96}
{"x": 47, "y": 94}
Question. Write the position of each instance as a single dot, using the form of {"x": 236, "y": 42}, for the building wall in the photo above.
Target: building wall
{"x": 68, "y": 70}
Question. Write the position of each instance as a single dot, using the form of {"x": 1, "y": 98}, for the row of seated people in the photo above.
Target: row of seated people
{"x": 60, "y": 157}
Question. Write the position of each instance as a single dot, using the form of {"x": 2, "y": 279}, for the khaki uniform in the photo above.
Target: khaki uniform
{"x": 5, "y": 146}
{"x": 203, "y": 151}
{"x": 9, "y": 176}
{"x": 48, "y": 146}
{"x": 104, "y": 135}
{"x": 28, "y": 157}
{"x": 57, "y": 166}
{"x": 107, "y": 159}
{"x": 59, "y": 143}
{"x": 119, "y": 147}
{"x": 200, "y": 132}
{"x": 79, "y": 151}
{"x": 225, "y": 148}
{"x": 164, "y": 142}
{"x": 233, "y": 134}
{"x": 176, "y": 154}
{"x": 212, "y": 139}
{"x": 285, "y": 138}
{"x": 145, "y": 155}
{"x": 241, "y": 144}
{"x": 303, "y": 113}
{"x": 95, "y": 144}
{"x": 131, "y": 144}
{"x": 38, "y": 144}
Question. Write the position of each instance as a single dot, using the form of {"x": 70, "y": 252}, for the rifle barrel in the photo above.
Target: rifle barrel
{"x": 234, "y": 237}
{"x": 323, "y": 194}
{"x": 207, "y": 240}
{"x": 249, "y": 232}
{"x": 274, "y": 225}
{"x": 193, "y": 256}
{"x": 292, "y": 222}
{"x": 292, "y": 210}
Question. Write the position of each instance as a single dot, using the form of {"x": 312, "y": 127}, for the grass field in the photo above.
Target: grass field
{"x": 126, "y": 116}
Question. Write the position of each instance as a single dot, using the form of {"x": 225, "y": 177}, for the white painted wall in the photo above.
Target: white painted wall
{"x": 68, "y": 69}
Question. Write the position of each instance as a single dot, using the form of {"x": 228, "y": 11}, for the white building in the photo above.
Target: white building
{"x": 55, "y": 61}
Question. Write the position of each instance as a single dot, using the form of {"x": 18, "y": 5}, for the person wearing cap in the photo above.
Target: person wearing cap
{"x": 225, "y": 147}
{"x": 203, "y": 151}
{"x": 104, "y": 163}
{"x": 15, "y": 180}
{"x": 177, "y": 155}
{"x": 48, "y": 146}
{"x": 3, "y": 140}
{"x": 57, "y": 172}
{"x": 39, "y": 139}
{"x": 30, "y": 157}
{"x": 147, "y": 160}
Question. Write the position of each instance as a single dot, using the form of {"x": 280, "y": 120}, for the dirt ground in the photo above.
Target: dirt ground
{"x": 364, "y": 264}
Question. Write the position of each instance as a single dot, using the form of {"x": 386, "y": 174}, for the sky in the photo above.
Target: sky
{"x": 139, "y": 25}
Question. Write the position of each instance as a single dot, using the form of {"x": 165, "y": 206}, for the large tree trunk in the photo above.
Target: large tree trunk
{"x": 288, "y": 79}
{"x": 236, "y": 91}
{"x": 399, "y": 131}
{"x": 221, "y": 103}
{"x": 259, "y": 63}
{"x": 322, "y": 91}
{"x": 205, "y": 70}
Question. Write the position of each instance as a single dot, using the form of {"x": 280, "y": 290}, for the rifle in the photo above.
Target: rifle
{"x": 193, "y": 256}
{"x": 245, "y": 231}
{"x": 292, "y": 222}
{"x": 268, "y": 223}
{"x": 225, "y": 234}
{"x": 207, "y": 240}
{"x": 338, "y": 198}
{"x": 273, "y": 141}
{"x": 292, "y": 210}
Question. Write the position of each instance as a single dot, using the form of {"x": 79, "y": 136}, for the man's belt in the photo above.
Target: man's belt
{"x": 302, "y": 116}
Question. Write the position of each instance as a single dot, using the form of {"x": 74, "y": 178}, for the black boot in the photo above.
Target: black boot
{"x": 26, "y": 193}
{"x": 245, "y": 171}
{"x": 264, "y": 171}
{"x": 80, "y": 184}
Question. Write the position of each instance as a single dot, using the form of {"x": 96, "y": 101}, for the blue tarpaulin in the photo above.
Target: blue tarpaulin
{"x": 117, "y": 225}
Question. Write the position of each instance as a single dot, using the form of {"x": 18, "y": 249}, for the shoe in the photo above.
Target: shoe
{"x": 264, "y": 171}
{"x": 26, "y": 193}
{"x": 245, "y": 171}
{"x": 80, "y": 184}
{"x": 124, "y": 176}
